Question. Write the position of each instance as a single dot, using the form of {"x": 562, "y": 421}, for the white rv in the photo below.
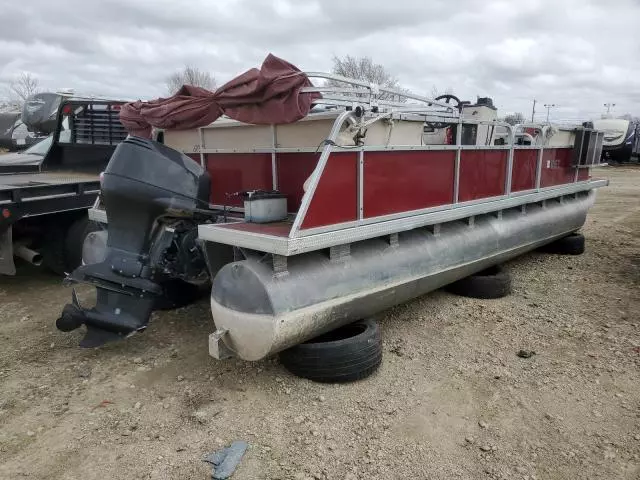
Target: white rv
{"x": 621, "y": 138}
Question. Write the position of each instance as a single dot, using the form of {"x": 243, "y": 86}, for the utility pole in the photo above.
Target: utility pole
{"x": 549, "y": 106}
{"x": 609, "y": 105}
{"x": 533, "y": 110}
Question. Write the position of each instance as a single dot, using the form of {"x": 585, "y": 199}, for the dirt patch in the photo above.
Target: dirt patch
{"x": 451, "y": 400}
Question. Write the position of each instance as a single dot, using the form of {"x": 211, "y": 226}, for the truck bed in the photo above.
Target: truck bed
{"x": 21, "y": 180}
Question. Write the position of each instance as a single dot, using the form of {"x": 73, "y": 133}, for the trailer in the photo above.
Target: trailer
{"x": 46, "y": 190}
{"x": 376, "y": 196}
{"x": 621, "y": 139}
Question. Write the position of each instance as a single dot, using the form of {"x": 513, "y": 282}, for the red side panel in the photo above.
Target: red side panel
{"x": 525, "y": 163}
{"x": 293, "y": 170}
{"x": 584, "y": 174}
{"x": 404, "y": 181}
{"x": 556, "y": 167}
{"x": 233, "y": 172}
{"x": 482, "y": 174}
{"x": 335, "y": 199}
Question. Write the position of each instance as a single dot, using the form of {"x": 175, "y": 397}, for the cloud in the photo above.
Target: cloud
{"x": 577, "y": 54}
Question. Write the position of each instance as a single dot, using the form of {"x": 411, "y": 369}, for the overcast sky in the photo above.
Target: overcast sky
{"x": 578, "y": 54}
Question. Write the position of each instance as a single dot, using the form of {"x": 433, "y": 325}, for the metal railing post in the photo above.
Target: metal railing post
{"x": 456, "y": 174}
{"x": 508, "y": 180}
{"x": 274, "y": 162}
{"x": 543, "y": 133}
{"x": 360, "y": 184}
{"x": 202, "y": 162}
{"x": 317, "y": 173}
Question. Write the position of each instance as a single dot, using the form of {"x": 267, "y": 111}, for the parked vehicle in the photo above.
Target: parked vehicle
{"x": 45, "y": 191}
{"x": 32, "y": 156}
{"x": 308, "y": 225}
{"x": 7, "y": 123}
{"x": 621, "y": 139}
{"x": 14, "y": 134}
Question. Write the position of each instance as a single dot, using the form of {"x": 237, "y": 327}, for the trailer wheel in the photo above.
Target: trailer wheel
{"x": 346, "y": 354}
{"x": 493, "y": 282}
{"x": 573, "y": 244}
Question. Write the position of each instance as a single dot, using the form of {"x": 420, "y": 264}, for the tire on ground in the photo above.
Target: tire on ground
{"x": 573, "y": 244}
{"x": 349, "y": 353}
{"x": 493, "y": 282}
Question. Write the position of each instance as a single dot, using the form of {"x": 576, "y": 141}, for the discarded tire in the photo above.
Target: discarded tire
{"x": 349, "y": 353}
{"x": 493, "y": 282}
{"x": 570, "y": 245}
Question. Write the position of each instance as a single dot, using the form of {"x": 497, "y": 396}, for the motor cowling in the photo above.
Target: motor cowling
{"x": 146, "y": 180}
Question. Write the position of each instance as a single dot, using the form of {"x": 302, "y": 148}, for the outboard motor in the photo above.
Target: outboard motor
{"x": 151, "y": 194}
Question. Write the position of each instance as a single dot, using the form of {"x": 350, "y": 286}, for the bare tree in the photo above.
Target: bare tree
{"x": 436, "y": 92}
{"x": 363, "y": 68}
{"x": 190, "y": 75}
{"x": 23, "y": 87}
{"x": 514, "y": 118}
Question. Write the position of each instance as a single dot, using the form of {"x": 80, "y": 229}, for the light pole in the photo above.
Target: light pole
{"x": 533, "y": 110}
{"x": 609, "y": 105}
{"x": 548, "y": 106}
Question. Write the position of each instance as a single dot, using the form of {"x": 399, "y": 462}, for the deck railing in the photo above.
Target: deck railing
{"x": 511, "y": 147}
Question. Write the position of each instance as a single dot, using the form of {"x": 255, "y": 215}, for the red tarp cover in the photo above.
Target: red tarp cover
{"x": 270, "y": 95}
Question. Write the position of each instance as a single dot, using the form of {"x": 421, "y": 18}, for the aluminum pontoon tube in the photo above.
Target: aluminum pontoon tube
{"x": 264, "y": 313}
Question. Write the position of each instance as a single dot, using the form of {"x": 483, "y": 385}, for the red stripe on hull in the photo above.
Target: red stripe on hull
{"x": 525, "y": 164}
{"x": 482, "y": 174}
{"x": 233, "y": 172}
{"x": 397, "y": 182}
{"x": 556, "y": 167}
{"x": 393, "y": 181}
{"x": 293, "y": 170}
{"x": 335, "y": 199}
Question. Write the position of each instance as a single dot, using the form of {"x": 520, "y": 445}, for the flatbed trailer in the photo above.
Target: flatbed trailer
{"x": 44, "y": 196}
{"x": 31, "y": 194}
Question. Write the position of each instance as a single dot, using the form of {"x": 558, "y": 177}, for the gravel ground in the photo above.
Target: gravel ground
{"x": 451, "y": 400}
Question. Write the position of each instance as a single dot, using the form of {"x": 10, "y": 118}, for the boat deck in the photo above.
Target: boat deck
{"x": 275, "y": 229}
